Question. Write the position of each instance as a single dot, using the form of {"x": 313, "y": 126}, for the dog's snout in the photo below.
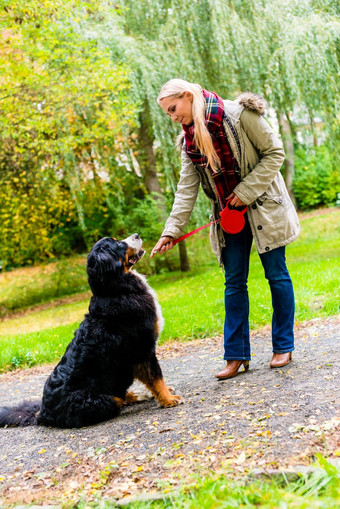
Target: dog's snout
{"x": 134, "y": 241}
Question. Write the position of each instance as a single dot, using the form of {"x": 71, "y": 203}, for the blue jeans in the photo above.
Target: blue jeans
{"x": 235, "y": 257}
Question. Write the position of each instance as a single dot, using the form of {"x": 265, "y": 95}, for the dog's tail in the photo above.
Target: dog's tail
{"x": 25, "y": 414}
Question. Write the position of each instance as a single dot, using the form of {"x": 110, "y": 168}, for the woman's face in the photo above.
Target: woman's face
{"x": 179, "y": 109}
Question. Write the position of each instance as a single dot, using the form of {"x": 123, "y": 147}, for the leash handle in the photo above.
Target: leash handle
{"x": 194, "y": 231}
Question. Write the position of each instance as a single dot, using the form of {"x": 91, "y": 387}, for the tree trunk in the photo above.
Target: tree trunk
{"x": 288, "y": 144}
{"x": 312, "y": 127}
{"x": 183, "y": 257}
{"x": 146, "y": 158}
{"x": 147, "y": 162}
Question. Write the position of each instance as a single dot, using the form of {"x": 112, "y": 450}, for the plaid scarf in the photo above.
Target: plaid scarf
{"x": 225, "y": 177}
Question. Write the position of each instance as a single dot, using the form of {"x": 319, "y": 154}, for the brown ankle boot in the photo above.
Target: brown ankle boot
{"x": 280, "y": 359}
{"x": 231, "y": 369}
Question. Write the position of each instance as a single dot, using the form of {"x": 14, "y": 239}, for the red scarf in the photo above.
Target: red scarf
{"x": 225, "y": 177}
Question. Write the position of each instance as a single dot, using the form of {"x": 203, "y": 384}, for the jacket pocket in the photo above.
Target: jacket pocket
{"x": 279, "y": 199}
{"x": 272, "y": 218}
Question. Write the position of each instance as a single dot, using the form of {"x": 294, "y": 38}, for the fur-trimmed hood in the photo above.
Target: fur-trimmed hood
{"x": 252, "y": 102}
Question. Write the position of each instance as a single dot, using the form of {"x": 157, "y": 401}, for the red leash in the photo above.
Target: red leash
{"x": 194, "y": 231}
{"x": 232, "y": 221}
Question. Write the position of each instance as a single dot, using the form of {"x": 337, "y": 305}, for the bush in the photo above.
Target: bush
{"x": 317, "y": 179}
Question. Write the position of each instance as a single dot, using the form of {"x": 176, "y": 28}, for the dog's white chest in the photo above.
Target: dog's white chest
{"x": 160, "y": 319}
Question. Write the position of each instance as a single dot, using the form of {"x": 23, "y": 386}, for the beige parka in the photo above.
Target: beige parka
{"x": 259, "y": 153}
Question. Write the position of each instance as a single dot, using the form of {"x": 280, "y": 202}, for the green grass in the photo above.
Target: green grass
{"x": 29, "y": 286}
{"x": 34, "y": 348}
{"x": 192, "y": 303}
{"x": 321, "y": 489}
{"x": 51, "y": 317}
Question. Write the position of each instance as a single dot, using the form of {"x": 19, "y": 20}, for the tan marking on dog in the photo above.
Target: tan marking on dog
{"x": 130, "y": 398}
{"x": 129, "y": 252}
{"x": 162, "y": 393}
{"x": 119, "y": 401}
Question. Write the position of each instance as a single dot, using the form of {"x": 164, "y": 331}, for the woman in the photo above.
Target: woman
{"x": 231, "y": 150}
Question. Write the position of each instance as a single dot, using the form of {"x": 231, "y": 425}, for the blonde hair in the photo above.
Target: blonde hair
{"x": 176, "y": 88}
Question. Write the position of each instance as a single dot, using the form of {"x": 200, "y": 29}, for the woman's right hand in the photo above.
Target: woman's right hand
{"x": 163, "y": 246}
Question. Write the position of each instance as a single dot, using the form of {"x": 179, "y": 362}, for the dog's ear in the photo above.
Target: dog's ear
{"x": 105, "y": 265}
{"x": 101, "y": 262}
{"x": 104, "y": 270}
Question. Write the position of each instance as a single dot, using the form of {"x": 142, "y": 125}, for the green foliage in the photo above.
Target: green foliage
{"x": 64, "y": 105}
{"x": 317, "y": 179}
{"x": 221, "y": 492}
{"x": 37, "y": 218}
{"x": 303, "y": 66}
{"x": 23, "y": 360}
{"x": 325, "y": 480}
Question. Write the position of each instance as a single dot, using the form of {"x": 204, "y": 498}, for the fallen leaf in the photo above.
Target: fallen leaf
{"x": 241, "y": 458}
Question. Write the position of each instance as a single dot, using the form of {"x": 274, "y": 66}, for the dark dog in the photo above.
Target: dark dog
{"x": 114, "y": 345}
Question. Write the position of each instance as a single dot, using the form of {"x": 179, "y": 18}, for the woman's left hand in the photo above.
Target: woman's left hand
{"x": 235, "y": 202}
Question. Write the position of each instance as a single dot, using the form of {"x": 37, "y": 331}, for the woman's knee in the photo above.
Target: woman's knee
{"x": 233, "y": 287}
{"x": 274, "y": 264}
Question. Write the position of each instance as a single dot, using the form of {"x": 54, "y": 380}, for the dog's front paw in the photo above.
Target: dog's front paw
{"x": 173, "y": 400}
{"x": 130, "y": 398}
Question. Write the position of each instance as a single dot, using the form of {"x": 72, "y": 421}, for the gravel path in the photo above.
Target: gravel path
{"x": 260, "y": 418}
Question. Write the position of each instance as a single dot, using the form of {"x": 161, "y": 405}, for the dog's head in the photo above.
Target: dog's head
{"x": 110, "y": 259}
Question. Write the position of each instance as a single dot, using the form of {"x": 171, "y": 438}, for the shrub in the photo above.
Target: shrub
{"x": 317, "y": 180}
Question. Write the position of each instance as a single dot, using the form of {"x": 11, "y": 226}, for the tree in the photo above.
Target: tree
{"x": 287, "y": 52}
{"x": 64, "y": 104}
